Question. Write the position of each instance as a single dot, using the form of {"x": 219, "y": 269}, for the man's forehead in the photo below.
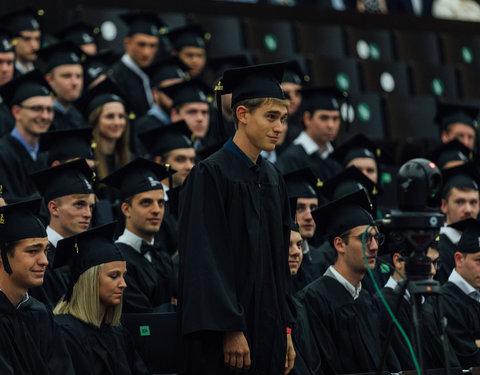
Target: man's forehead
{"x": 36, "y": 100}
{"x": 361, "y": 228}
{"x": 151, "y": 194}
{"x": 36, "y": 241}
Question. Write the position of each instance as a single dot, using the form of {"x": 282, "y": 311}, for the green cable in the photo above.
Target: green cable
{"x": 407, "y": 340}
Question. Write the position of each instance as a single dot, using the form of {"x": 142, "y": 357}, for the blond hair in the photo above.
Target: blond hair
{"x": 85, "y": 301}
{"x": 254, "y": 104}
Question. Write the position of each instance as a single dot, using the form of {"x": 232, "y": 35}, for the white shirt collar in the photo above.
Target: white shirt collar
{"x": 452, "y": 234}
{"x": 134, "y": 241}
{"x": 22, "y": 68}
{"x": 311, "y": 147}
{"x": 393, "y": 284}
{"x": 165, "y": 192}
{"x": 129, "y": 63}
{"x": 461, "y": 283}
{"x": 53, "y": 236}
{"x": 354, "y": 292}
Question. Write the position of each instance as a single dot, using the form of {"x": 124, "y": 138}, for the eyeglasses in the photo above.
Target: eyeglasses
{"x": 436, "y": 263}
{"x": 379, "y": 238}
{"x": 38, "y": 109}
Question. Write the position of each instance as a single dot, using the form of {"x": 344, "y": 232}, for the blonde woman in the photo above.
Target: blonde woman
{"x": 89, "y": 313}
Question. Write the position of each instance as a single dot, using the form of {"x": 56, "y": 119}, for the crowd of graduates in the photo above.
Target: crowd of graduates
{"x": 212, "y": 189}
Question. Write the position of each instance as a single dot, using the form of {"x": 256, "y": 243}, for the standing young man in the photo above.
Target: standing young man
{"x": 234, "y": 256}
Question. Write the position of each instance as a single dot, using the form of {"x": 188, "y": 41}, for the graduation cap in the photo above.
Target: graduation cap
{"x": 23, "y": 19}
{"x": 67, "y": 144}
{"x": 23, "y": 87}
{"x": 144, "y": 23}
{"x": 295, "y": 73}
{"x": 96, "y": 65}
{"x": 86, "y": 250}
{"x": 188, "y": 36}
{"x": 346, "y": 182}
{"x": 343, "y": 214}
{"x": 450, "y": 151}
{"x": 301, "y": 183}
{"x": 65, "y": 179}
{"x": 165, "y": 138}
{"x": 169, "y": 68}
{"x": 138, "y": 176}
{"x": 17, "y": 222}
{"x": 222, "y": 63}
{"x": 191, "y": 91}
{"x": 452, "y": 112}
{"x": 105, "y": 92}
{"x": 466, "y": 176}
{"x": 470, "y": 240}
{"x": 5, "y": 38}
{"x": 79, "y": 33}
{"x": 359, "y": 146}
{"x": 63, "y": 53}
{"x": 321, "y": 98}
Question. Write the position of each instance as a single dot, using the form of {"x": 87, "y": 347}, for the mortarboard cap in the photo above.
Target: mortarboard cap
{"x": 85, "y": 250}
{"x": 65, "y": 179}
{"x": 105, "y": 92}
{"x": 222, "y": 63}
{"x": 295, "y": 73}
{"x": 169, "y": 68}
{"x": 5, "y": 38}
{"x": 23, "y": 87}
{"x": 188, "y": 36}
{"x": 96, "y": 65}
{"x": 470, "y": 240}
{"x": 22, "y": 20}
{"x": 452, "y": 112}
{"x": 165, "y": 138}
{"x": 301, "y": 183}
{"x": 450, "y": 151}
{"x": 321, "y": 98}
{"x": 67, "y": 144}
{"x": 138, "y": 176}
{"x": 346, "y": 182}
{"x": 466, "y": 176}
{"x": 63, "y": 53}
{"x": 189, "y": 92}
{"x": 79, "y": 33}
{"x": 359, "y": 146}
{"x": 17, "y": 222}
{"x": 343, "y": 214}
{"x": 144, "y": 23}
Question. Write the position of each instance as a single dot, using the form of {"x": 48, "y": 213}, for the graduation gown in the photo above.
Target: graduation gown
{"x": 7, "y": 122}
{"x": 132, "y": 89}
{"x": 446, "y": 250}
{"x": 344, "y": 333}
{"x": 463, "y": 327}
{"x": 30, "y": 340}
{"x": 233, "y": 262}
{"x": 294, "y": 157}
{"x": 103, "y": 350}
{"x": 73, "y": 119}
{"x": 150, "y": 284}
{"x": 15, "y": 166}
{"x": 143, "y": 124}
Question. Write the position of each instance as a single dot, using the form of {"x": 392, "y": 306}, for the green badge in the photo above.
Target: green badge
{"x": 343, "y": 82}
{"x": 364, "y": 113}
{"x": 144, "y": 330}
{"x": 467, "y": 55}
{"x": 374, "y": 51}
{"x": 270, "y": 41}
{"x": 386, "y": 178}
{"x": 437, "y": 86}
{"x": 384, "y": 268}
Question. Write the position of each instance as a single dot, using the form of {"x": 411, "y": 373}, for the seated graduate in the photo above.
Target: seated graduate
{"x": 461, "y": 296}
{"x": 89, "y": 314}
{"x": 150, "y": 278}
{"x": 342, "y": 329}
{"x": 30, "y": 340}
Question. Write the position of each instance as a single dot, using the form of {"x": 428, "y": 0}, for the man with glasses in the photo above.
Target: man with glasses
{"x": 32, "y": 107}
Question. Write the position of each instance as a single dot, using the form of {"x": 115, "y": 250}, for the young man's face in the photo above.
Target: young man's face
{"x": 295, "y": 254}
{"x": 322, "y": 126}
{"x": 34, "y": 115}
{"x": 304, "y": 217}
{"x": 468, "y": 266}
{"x": 182, "y": 160}
{"x": 71, "y": 214}
{"x": 462, "y": 132}
{"x": 29, "y": 262}
{"x": 292, "y": 90}
{"x": 195, "y": 58}
{"x": 7, "y": 67}
{"x": 196, "y": 115}
{"x": 367, "y": 166}
{"x": 111, "y": 283}
{"x": 141, "y": 48}
{"x": 28, "y": 43}
{"x": 67, "y": 82}
{"x": 353, "y": 251}
{"x": 145, "y": 214}
{"x": 460, "y": 204}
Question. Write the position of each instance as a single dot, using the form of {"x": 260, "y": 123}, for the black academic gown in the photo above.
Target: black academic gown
{"x": 30, "y": 340}
{"x": 73, "y": 119}
{"x": 295, "y": 157}
{"x": 143, "y": 124}
{"x": 150, "y": 284}
{"x": 103, "y": 350}
{"x": 463, "y": 327}
{"x": 446, "y": 250}
{"x": 342, "y": 332}
{"x": 132, "y": 88}
{"x": 233, "y": 262}
{"x": 15, "y": 166}
{"x": 7, "y": 122}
